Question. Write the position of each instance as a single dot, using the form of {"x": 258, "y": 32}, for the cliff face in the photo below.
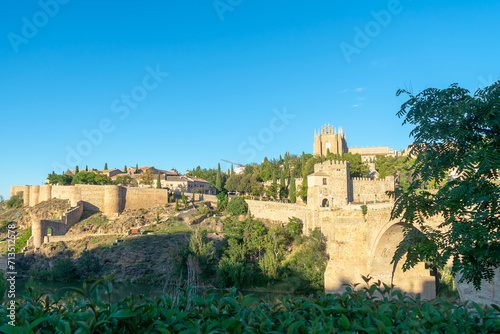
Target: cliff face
{"x": 144, "y": 259}
{"x": 51, "y": 209}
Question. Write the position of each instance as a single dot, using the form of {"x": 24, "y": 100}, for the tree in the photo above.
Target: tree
{"x": 146, "y": 178}
{"x": 237, "y": 206}
{"x": 183, "y": 196}
{"x": 123, "y": 179}
{"x": 158, "y": 182}
{"x": 136, "y": 169}
{"x": 125, "y": 169}
{"x": 76, "y": 170}
{"x": 218, "y": 181}
{"x": 454, "y": 131}
{"x": 106, "y": 166}
{"x": 292, "y": 188}
{"x": 282, "y": 185}
{"x": 86, "y": 168}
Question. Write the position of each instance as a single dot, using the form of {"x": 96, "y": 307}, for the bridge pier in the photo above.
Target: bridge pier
{"x": 364, "y": 246}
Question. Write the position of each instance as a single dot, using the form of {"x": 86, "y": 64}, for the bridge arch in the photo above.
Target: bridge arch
{"x": 415, "y": 280}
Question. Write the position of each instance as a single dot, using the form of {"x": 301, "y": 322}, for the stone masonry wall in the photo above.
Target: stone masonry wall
{"x": 276, "y": 211}
{"x": 367, "y": 190}
{"x": 137, "y": 198}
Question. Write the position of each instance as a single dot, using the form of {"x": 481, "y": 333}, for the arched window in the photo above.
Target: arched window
{"x": 325, "y": 203}
{"x": 327, "y": 145}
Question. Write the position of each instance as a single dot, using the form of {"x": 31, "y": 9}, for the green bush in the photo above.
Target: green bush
{"x": 237, "y": 206}
{"x": 15, "y": 201}
{"x": 203, "y": 210}
{"x": 64, "y": 270}
{"x": 87, "y": 265}
{"x": 364, "y": 209}
{"x": 22, "y": 239}
{"x": 354, "y": 311}
{"x": 294, "y": 227}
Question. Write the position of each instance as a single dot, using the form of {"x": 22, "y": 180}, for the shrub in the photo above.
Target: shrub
{"x": 354, "y": 311}
{"x": 64, "y": 270}
{"x": 237, "y": 206}
{"x": 221, "y": 201}
{"x": 294, "y": 227}
{"x": 15, "y": 201}
{"x": 87, "y": 265}
{"x": 22, "y": 239}
{"x": 364, "y": 209}
{"x": 203, "y": 210}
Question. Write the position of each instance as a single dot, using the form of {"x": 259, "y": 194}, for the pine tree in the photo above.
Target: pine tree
{"x": 125, "y": 169}
{"x": 106, "y": 166}
{"x": 292, "y": 188}
{"x": 218, "y": 181}
{"x": 158, "y": 182}
{"x": 76, "y": 170}
{"x": 136, "y": 169}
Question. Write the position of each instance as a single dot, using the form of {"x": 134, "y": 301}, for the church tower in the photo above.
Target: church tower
{"x": 329, "y": 138}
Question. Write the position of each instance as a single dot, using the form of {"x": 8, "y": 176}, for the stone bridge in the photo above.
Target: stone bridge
{"x": 361, "y": 245}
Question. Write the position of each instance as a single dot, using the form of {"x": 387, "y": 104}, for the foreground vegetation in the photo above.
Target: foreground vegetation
{"x": 373, "y": 309}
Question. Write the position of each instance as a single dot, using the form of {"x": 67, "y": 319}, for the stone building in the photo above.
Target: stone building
{"x": 330, "y": 139}
{"x": 331, "y": 186}
{"x": 177, "y": 184}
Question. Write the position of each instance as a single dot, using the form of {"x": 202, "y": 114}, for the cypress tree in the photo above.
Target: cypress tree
{"x": 125, "y": 169}
{"x": 183, "y": 197}
{"x": 158, "y": 182}
{"x": 303, "y": 162}
{"x": 136, "y": 168}
{"x": 106, "y": 166}
{"x": 86, "y": 168}
{"x": 76, "y": 170}
{"x": 286, "y": 164}
{"x": 232, "y": 170}
{"x": 218, "y": 181}
{"x": 293, "y": 198}
{"x": 282, "y": 180}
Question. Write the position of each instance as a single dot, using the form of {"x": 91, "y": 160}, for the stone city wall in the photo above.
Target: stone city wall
{"x": 138, "y": 198}
{"x": 276, "y": 211}
{"x": 367, "y": 190}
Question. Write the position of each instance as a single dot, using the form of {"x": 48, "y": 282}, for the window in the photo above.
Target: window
{"x": 327, "y": 145}
{"x": 324, "y": 181}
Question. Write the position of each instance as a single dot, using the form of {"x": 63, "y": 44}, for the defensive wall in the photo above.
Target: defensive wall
{"x": 58, "y": 227}
{"x": 110, "y": 199}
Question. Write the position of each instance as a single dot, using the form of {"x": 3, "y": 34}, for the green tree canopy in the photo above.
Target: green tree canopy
{"x": 459, "y": 132}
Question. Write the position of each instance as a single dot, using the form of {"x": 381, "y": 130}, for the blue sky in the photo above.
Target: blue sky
{"x": 187, "y": 83}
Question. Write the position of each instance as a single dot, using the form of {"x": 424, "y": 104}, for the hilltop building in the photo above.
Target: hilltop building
{"x": 333, "y": 140}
